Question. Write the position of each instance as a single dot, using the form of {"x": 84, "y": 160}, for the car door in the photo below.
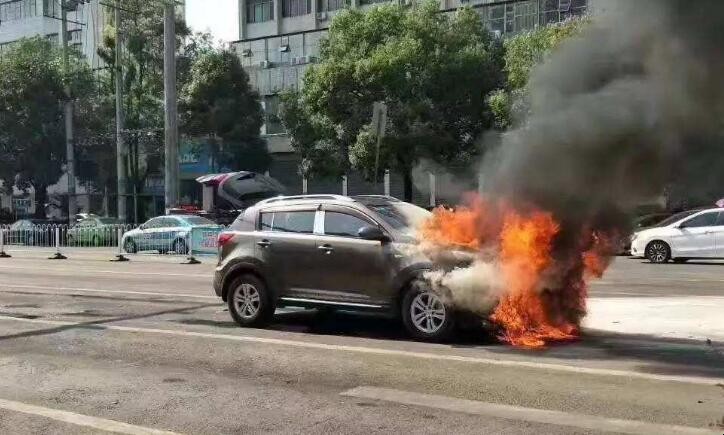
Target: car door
{"x": 147, "y": 238}
{"x": 718, "y": 230}
{"x": 695, "y": 236}
{"x": 354, "y": 269}
{"x": 285, "y": 242}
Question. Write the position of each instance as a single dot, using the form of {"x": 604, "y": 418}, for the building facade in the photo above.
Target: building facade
{"x": 280, "y": 39}
{"x": 28, "y": 18}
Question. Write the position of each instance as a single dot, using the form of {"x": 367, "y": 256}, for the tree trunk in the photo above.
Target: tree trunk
{"x": 41, "y": 197}
{"x": 407, "y": 183}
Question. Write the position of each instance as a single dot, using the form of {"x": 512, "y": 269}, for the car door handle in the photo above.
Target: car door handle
{"x": 264, "y": 243}
{"x": 328, "y": 249}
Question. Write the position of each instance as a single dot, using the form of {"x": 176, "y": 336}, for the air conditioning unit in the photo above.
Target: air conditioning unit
{"x": 564, "y": 5}
{"x": 264, "y": 64}
{"x": 322, "y": 16}
{"x": 295, "y": 61}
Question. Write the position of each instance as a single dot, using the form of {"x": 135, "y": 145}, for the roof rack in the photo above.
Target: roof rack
{"x": 306, "y": 197}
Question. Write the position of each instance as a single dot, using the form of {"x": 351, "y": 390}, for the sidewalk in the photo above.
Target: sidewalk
{"x": 688, "y": 317}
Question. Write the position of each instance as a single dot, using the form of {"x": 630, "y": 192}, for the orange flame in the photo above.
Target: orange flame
{"x": 544, "y": 297}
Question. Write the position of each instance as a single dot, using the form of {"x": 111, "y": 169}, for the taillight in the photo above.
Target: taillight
{"x": 225, "y": 238}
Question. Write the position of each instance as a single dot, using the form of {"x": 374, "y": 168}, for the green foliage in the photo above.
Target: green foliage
{"x": 522, "y": 53}
{"x": 32, "y": 129}
{"x": 432, "y": 70}
{"x": 218, "y": 101}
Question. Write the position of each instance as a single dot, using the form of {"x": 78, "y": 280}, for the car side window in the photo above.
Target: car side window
{"x": 720, "y": 219}
{"x": 342, "y": 224}
{"x": 153, "y": 223}
{"x": 703, "y": 220}
{"x": 288, "y": 221}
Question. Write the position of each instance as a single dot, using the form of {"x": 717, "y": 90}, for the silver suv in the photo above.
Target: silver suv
{"x": 349, "y": 253}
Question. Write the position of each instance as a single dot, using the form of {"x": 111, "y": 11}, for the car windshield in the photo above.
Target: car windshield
{"x": 402, "y": 216}
{"x": 197, "y": 220}
{"x": 675, "y": 218}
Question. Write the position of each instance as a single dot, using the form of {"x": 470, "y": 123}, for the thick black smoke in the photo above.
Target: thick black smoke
{"x": 617, "y": 114}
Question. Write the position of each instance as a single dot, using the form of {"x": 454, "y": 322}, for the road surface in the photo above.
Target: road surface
{"x": 89, "y": 346}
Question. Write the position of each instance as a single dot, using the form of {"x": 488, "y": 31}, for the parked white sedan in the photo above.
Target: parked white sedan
{"x": 686, "y": 235}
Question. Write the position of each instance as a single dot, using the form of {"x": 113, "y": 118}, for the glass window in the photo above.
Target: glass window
{"x": 341, "y": 224}
{"x": 267, "y": 221}
{"x": 332, "y": 5}
{"x": 153, "y": 223}
{"x": 720, "y": 219}
{"x": 288, "y": 221}
{"x": 294, "y": 8}
{"x": 258, "y": 11}
{"x": 198, "y": 220}
{"x": 703, "y": 220}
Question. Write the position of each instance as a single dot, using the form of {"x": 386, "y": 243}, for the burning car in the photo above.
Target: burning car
{"x": 350, "y": 253}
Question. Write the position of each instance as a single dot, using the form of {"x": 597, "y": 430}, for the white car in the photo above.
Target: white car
{"x": 690, "y": 234}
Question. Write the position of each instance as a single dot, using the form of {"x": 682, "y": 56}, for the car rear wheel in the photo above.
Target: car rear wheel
{"x": 425, "y": 315}
{"x": 658, "y": 252}
{"x": 250, "y": 303}
{"x": 130, "y": 246}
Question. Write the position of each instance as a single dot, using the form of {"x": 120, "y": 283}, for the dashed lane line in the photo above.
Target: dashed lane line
{"x": 72, "y": 271}
{"x": 518, "y": 413}
{"x": 80, "y": 419}
{"x": 390, "y": 352}
{"x": 5, "y": 289}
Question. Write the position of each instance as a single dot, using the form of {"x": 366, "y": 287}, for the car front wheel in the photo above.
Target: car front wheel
{"x": 425, "y": 315}
{"x": 658, "y": 252}
{"x": 130, "y": 246}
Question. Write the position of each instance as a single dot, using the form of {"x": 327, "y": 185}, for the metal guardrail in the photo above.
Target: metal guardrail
{"x": 57, "y": 238}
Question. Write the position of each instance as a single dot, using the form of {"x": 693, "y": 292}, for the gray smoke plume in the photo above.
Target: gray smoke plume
{"x": 632, "y": 104}
{"x": 618, "y": 112}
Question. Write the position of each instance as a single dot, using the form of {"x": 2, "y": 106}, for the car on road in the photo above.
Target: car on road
{"x": 638, "y": 224}
{"x": 332, "y": 252}
{"x": 171, "y": 233}
{"x": 94, "y": 231}
{"x": 683, "y": 236}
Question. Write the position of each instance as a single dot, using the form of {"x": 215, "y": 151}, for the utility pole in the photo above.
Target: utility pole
{"x": 121, "y": 152}
{"x": 171, "y": 112}
{"x": 68, "y": 113}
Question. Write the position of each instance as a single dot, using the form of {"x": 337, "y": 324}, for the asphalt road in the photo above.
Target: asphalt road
{"x": 89, "y": 346}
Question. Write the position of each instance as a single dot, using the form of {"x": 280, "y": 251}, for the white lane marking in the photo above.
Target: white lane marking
{"x": 533, "y": 415}
{"x": 81, "y": 420}
{"x": 90, "y": 290}
{"x": 393, "y": 352}
{"x": 117, "y": 272}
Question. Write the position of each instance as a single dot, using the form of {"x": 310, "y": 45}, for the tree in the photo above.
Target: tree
{"x": 218, "y": 101}
{"x": 142, "y": 27}
{"x": 522, "y": 53}
{"x": 432, "y": 70}
{"x": 32, "y": 129}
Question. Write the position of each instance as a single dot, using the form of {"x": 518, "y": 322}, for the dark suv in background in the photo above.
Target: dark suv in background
{"x": 348, "y": 253}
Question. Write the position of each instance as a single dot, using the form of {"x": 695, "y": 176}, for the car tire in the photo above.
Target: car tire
{"x": 130, "y": 246}
{"x": 424, "y": 314}
{"x": 250, "y": 303}
{"x": 658, "y": 252}
{"x": 179, "y": 247}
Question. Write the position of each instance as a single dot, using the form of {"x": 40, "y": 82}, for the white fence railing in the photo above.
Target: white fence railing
{"x": 127, "y": 239}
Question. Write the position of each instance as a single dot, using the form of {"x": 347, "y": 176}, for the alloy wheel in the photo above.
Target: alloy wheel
{"x": 427, "y": 312}
{"x": 247, "y": 301}
{"x": 657, "y": 252}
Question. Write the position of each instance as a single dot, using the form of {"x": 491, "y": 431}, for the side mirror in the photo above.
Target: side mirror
{"x": 373, "y": 233}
